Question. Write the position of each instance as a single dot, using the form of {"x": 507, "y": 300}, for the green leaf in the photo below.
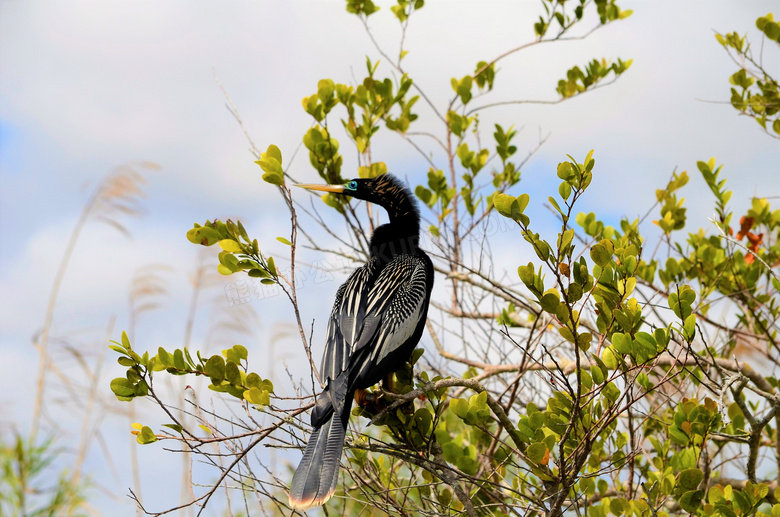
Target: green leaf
{"x": 230, "y": 245}
{"x": 423, "y": 420}
{"x": 284, "y": 241}
{"x": 257, "y": 397}
{"x": 526, "y": 273}
{"x": 541, "y": 247}
{"x": 457, "y": 123}
{"x": 325, "y": 89}
{"x": 146, "y": 436}
{"x": 271, "y": 267}
{"x": 681, "y": 301}
{"x": 690, "y": 478}
{"x": 583, "y": 341}
{"x": 691, "y": 500}
{"x": 274, "y": 152}
{"x": 689, "y": 328}
{"x": 231, "y": 355}
{"x": 141, "y": 389}
{"x": 253, "y": 380}
{"x": 647, "y": 341}
{"x": 538, "y": 453}
{"x": 626, "y": 287}
{"x": 241, "y": 351}
{"x": 118, "y": 349}
{"x": 229, "y": 261}
{"x": 460, "y": 407}
{"x": 164, "y": 357}
{"x": 267, "y": 385}
{"x": 601, "y": 253}
{"x": 743, "y": 500}
{"x": 522, "y": 202}
{"x": 467, "y": 465}
{"x": 486, "y": 74}
{"x": 505, "y": 204}
{"x": 215, "y": 368}
{"x": 478, "y": 400}
{"x": 609, "y": 358}
{"x": 425, "y": 195}
{"x": 555, "y": 205}
{"x": 586, "y": 379}
{"x": 564, "y": 189}
{"x": 463, "y": 88}
{"x": 565, "y": 239}
{"x": 155, "y": 365}
{"x": 203, "y": 235}
{"x": 452, "y": 451}
{"x": 597, "y": 374}
{"x": 611, "y": 392}
{"x": 550, "y": 302}
{"x": 273, "y": 178}
{"x": 125, "y": 340}
{"x": 232, "y": 374}
{"x": 621, "y": 342}
{"x": 445, "y": 497}
{"x": 178, "y": 360}
{"x": 271, "y": 163}
{"x": 565, "y": 170}
{"x": 123, "y": 388}
{"x": 257, "y": 273}
{"x": 126, "y": 361}
{"x": 188, "y": 357}
{"x": 417, "y": 353}
{"x": 566, "y": 333}
{"x": 678, "y": 436}
{"x": 618, "y": 506}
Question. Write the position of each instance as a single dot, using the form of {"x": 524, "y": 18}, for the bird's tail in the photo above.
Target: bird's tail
{"x": 315, "y": 478}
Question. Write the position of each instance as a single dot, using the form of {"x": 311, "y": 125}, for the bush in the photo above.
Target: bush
{"x": 600, "y": 382}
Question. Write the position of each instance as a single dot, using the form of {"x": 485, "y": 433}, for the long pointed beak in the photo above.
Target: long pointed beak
{"x": 338, "y": 189}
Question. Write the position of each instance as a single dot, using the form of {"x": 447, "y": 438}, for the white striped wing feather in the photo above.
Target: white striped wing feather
{"x": 383, "y": 314}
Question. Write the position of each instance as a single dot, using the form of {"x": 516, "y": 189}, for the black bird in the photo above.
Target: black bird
{"x": 376, "y": 322}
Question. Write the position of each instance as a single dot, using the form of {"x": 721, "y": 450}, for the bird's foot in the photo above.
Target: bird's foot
{"x": 371, "y": 403}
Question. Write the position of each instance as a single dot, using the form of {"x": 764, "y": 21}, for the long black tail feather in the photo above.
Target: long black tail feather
{"x": 315, "y": 479}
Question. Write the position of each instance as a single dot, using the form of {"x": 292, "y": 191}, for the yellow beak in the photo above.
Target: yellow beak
{"x": 338, "y": 189}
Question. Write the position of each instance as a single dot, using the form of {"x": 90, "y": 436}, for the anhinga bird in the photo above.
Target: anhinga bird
{"x": 376, "y": 322}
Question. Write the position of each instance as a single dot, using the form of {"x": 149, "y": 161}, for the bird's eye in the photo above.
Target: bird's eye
{"x": 352, "y": 185}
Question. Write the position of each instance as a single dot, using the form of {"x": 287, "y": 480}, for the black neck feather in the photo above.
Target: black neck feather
{"x": 401, "y": 234}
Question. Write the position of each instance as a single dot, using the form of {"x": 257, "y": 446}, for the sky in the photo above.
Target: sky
{"x": 89, "y": 86}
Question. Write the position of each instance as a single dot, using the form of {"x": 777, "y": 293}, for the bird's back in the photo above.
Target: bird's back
{"x": 377, "y": 319}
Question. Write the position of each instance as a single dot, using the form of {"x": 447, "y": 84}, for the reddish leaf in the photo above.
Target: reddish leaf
{"x": 745, "y": 224}
{"x": 755, "y": 240}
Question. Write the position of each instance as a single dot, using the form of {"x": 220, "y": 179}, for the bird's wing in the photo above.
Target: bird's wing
{"x": 382, "y": 314}
{"x": 346, "y": 322}
{"x": 397, "y": 302}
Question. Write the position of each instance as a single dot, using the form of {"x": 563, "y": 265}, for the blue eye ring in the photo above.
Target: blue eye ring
{"x": 352, "y": 185}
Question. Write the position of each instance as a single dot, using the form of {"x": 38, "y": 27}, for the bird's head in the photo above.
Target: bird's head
{"x": 384, "y": 190}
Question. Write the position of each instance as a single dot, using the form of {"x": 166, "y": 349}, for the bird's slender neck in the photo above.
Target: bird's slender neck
{"x": 401, "y": 236}
{"x": 387, "y": 243}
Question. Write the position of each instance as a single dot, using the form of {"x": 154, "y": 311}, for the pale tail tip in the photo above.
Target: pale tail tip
{"x": 303, "y": 505}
